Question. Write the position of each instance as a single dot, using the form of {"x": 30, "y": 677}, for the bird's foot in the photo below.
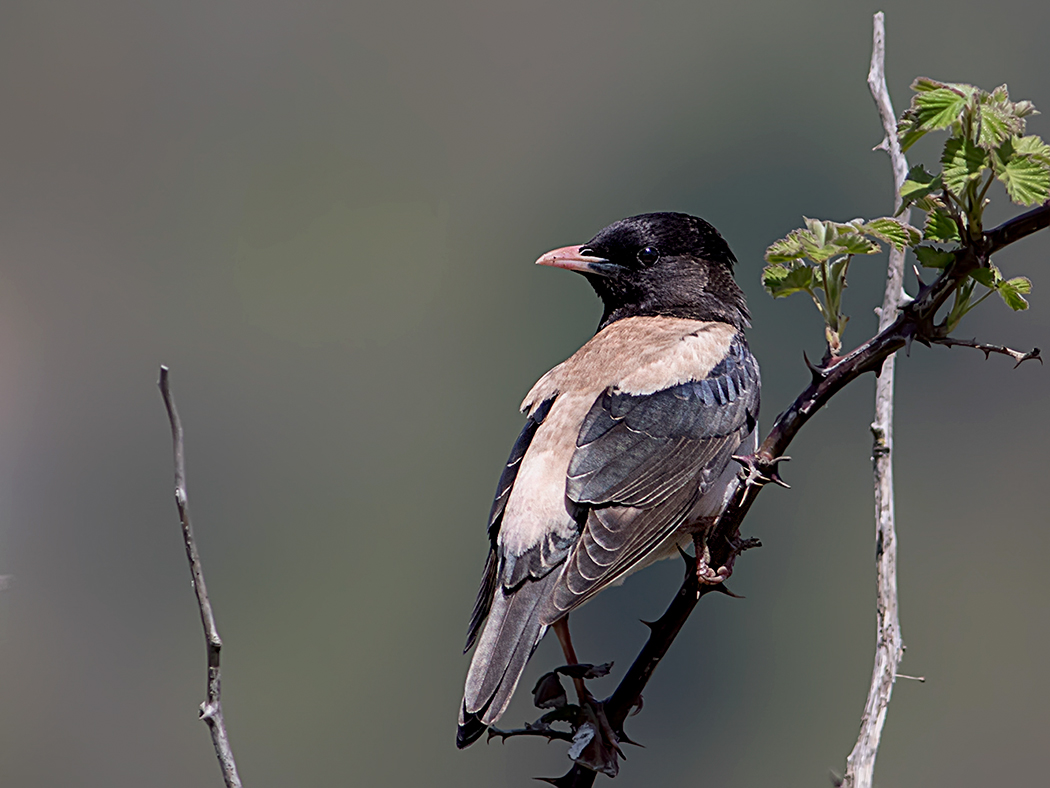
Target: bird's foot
{"x": 707, "y": 574}
{"x": 595, "y": 744}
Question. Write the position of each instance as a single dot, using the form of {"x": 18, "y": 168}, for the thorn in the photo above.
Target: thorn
{"x": 635, "y": 708}
{"x": 690, "y": 561}
{"x": 625, "y": 739}
{"x": 1034, "y": 356}
{"x": 907, "y": 345}
{"x": 836, "y": 779}
{"x": 650, "y": 624}
{"x": 884, "y": 145}
{"x": 816, "y": 372}
{"x": 904, "y": 299}
{"x": 721, "y": 588}
{"x": 920, "y": 679}
{"x": 918, "y": 276}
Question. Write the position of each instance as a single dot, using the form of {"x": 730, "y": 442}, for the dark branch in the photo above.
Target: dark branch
{"x": 211, "y": 709}
{"x": 987, "y": 349}
{"x": 550, "y": 734}
{"x": 1019, "y": 227}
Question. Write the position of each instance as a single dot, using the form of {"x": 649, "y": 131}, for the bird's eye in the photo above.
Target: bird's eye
{"x": 648, "y": 255}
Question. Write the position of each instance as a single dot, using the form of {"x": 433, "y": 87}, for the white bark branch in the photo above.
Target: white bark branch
{"x": 211, "y": 709}
{"x": 860, "y": 765}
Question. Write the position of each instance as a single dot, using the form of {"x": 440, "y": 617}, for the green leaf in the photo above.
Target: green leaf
{"x": 990, "y": 277}
{"x": 1025, "y": 175}
{"x": 893, "y": 231}
{"x": 918, "y": 189}
{"x": 785, "y": 250}
{"x": 962, "y": 163}
{"x": 998, "y": 119}
{"x": 855, "y": 243}
{"x": 1011, "y": 290}
{"x": 935, "y": 105}
{"x": 1032, "y": 146}
{"x": 783, "y": 280}
{"x": 940, "y": 226}
{"x": 929, "y": 257}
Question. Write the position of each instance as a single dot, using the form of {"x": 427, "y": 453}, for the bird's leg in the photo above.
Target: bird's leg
{"x": 592, "y": 708}
{"x": 561, "y": 629}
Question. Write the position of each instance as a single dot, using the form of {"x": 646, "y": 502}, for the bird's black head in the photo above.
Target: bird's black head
{"x": 668, "y": 264}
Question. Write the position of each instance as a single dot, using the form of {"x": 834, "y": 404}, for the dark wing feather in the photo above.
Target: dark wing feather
{"x": 506, "y": 482}
{"x": 514, "y": 631}
{"x": 642, "y": 462}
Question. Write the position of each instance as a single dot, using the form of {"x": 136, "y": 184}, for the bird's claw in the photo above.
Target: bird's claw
{"x": 707, "y": 575}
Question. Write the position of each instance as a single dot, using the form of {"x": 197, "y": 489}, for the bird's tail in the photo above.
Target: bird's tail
{"x": 511, "y": 634}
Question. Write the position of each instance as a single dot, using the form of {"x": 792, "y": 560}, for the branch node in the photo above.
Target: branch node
{"x": 920, "y": 679}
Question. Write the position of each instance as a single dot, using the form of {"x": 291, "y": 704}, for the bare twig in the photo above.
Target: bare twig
{"x": 211, "y": 709}
{"x": 889, "y": 647}
{"x": 1017, "y": 355}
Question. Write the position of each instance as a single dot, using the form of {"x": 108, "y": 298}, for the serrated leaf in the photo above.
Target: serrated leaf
{"x": 893, "y": 231}
{"x": 938, "y": 108}
{"x": 786, "y": 249}
{"x": 1025, "y": 108}
{"x": 1026, "y": 176}
{"x": 918, "y": 189}
{"x": 929, "y": 257}
{"x": 962, "y": 163}
{"x": 935, "y": 105}
{"x": 1011, "y": 291}
{"x": 854, "y": 243}
{"x": 998, "y": 118}
{"x": 1032, "y": 146}
{"x": 782, "y": 280}
{"x": 940, "y": 226}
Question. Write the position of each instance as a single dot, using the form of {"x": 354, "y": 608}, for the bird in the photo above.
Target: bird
{"x": 626, "y": 453}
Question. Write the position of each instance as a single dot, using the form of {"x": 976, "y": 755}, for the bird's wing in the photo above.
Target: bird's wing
{"x": 641, "y": 464}
{"x": 490, "y": 577}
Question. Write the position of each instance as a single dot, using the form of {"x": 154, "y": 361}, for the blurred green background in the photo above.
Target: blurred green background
{"x": 323, "y": 216}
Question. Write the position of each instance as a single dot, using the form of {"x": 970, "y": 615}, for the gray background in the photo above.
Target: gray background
{"x": 323, "y": 217}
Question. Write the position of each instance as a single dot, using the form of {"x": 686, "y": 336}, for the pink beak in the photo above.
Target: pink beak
{"x": 569, "y": 257}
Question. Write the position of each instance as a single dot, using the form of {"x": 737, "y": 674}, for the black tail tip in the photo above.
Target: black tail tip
{"x": 470, "y": 730}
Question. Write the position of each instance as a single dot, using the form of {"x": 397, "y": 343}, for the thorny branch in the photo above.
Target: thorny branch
{"x": 914, "y": 321}
{"x": 211, "y": 709}
{"x": 889, "y": 646}
{"x": 1017, "y": 355}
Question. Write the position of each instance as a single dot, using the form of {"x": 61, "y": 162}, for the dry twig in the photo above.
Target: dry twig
{"x": 211, "y": 709}
{"x": 889, "y": 647}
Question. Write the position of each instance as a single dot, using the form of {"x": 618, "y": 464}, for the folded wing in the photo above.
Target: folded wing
{"x": 643, "y": 462}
